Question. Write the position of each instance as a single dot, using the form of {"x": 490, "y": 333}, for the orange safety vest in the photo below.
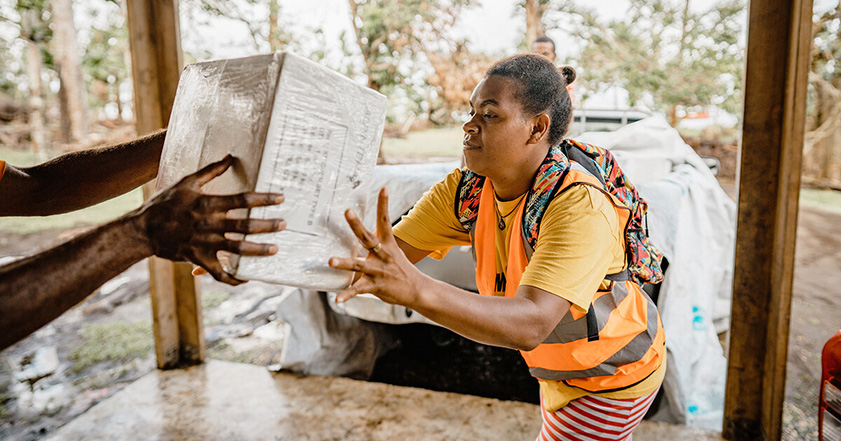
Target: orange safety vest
{"x": 628, "y": 342}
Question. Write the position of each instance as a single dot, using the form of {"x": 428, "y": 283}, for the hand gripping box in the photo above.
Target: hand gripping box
{"x": 297, "y": 128}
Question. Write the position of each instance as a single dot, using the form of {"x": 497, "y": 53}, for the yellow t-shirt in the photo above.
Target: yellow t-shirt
{"x": 580, "y": 241}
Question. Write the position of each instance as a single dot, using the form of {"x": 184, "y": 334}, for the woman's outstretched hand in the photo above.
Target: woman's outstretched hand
{"x": 385, "y": 271}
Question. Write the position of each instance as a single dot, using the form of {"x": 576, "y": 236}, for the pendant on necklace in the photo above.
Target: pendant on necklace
{"x": 501, "y": 224}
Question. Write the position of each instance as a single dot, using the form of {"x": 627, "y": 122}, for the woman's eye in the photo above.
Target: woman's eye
{"x": 488, "y": 115}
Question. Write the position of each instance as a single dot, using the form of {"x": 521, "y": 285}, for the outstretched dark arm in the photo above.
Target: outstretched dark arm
{"x": 80, "y": 179}
{"x": 180, "y": 223}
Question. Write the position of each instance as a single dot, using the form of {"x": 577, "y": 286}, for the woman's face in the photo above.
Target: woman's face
{"x": 497, "y": 131}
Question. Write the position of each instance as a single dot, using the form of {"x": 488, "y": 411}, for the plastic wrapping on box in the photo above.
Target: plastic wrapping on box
{"x": 297, "y": 128}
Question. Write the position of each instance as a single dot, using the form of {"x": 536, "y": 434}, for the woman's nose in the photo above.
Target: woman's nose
{"x": 470, "y": 127}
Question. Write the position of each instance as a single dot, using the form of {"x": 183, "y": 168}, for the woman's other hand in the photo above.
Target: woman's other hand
{"x": 385, "y": 272}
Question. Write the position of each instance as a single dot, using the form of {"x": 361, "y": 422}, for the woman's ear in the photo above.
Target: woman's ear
{"x": 539, "y": 129}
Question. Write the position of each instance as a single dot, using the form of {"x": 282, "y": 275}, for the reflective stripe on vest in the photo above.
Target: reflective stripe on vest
{"x": 631, "y": 341}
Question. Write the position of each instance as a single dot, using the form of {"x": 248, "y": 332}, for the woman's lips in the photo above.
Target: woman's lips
{"x": 469, "y": 146}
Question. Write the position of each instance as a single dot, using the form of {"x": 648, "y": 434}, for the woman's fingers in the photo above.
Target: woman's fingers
{"x": 383, "y": 221}
{"x": 347, "y": 264}
{"x": 361, "y": 286}
{"x": 368, "y": 239}
{"x": 198, "y": 271}
{"x": 384, "y": 233}
{"x": 346, "y": 295}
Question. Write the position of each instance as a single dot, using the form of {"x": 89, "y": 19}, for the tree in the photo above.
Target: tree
{"x": 822, "y": 146}
{"x": 456, "y": 73}
{"x": 262, "y": 18}
{"x": 278, "y": 38}
{"x": 105, "y": 64}
{"x": 534, "y": 10}
{"x": 664, "y": 54}
{"x": 34, "y": 30}
{"x": 72, "y": 94}
{"x": 392, "y": 33}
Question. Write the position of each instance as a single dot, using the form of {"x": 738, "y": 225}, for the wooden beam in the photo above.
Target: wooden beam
{"x": 776, "y": 75}
{"x": 155, "y": 40}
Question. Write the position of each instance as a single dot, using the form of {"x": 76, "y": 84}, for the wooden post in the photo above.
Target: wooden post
{"x": 776, "y": 74}
{"x": 156, "y": 58}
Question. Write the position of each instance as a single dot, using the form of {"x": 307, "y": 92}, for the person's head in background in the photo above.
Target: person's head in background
{"x": 544, "y": 45}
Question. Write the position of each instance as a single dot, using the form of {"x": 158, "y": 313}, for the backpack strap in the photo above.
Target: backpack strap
{"x": 548, "y": 180}
{"x": 466, "y": 203}
{"x": 531, "y": 226}
{"x": 621, "y": 276}
{"x": 578, "y": 156}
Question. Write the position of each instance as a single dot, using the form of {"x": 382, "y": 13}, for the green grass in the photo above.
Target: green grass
{"x": 829, "y": 200}
{"x": 212, "y": 299}
{"x": 117, "y": 342}
{"x": 444, "y": 142}
{"x": 19, "y": 158}
{"x": 95, "y": 215}
{"x": 5, "y": 385}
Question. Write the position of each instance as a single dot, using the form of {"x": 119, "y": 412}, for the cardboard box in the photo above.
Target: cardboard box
{"x": 297, "y": 128}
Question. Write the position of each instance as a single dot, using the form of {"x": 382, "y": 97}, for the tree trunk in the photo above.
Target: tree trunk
{"x": 37, "y": 125}
{"x": 117, "y": 98}
{"x": 74, "y": 118}
{"x": 274, "y": 37}
{"x": 821, "y": 155}
{"x": 673, "y": 119}
{"x": 365, "y": 49}
{"x": 129, "y": 103}
{"x": 534, "y": 21}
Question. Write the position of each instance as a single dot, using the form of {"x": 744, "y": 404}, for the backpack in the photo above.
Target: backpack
{"x": 642, "y": 258}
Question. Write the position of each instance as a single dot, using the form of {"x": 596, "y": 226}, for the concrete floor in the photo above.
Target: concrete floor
{"x": 229, "y": 401}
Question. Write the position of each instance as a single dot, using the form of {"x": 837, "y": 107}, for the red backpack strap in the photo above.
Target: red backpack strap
{"x": 466, "y": 204}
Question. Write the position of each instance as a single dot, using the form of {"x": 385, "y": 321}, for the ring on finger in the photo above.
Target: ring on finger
{"x": 376, "y": 247}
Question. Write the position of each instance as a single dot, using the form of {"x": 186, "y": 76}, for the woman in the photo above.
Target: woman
{"x": 593, "y": 340}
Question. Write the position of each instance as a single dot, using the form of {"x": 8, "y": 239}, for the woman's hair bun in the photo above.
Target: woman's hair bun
{"x": 568, "y": 72}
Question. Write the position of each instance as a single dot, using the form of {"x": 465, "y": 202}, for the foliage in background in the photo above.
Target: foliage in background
{"x": 263, "y": 19}
{"x": 534, "y": 11}
{"x": 11, "y": 71}
{"x": 116, "y": 342}
{"x": 666, "y": 55}
{"x": 409, "y": 51}
{"x": 826, "y": 46}
{"x": 822, "y": 149}
{"x": 455, "y": 75}
{"x": 106, "y": 62}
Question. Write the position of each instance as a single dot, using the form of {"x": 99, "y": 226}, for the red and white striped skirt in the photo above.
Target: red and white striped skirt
{"x": 593, "y": 418}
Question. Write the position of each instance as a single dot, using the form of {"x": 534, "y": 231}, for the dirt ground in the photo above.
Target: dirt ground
{"x": 241, "y": 326}
{"x": 815, "y": 316}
